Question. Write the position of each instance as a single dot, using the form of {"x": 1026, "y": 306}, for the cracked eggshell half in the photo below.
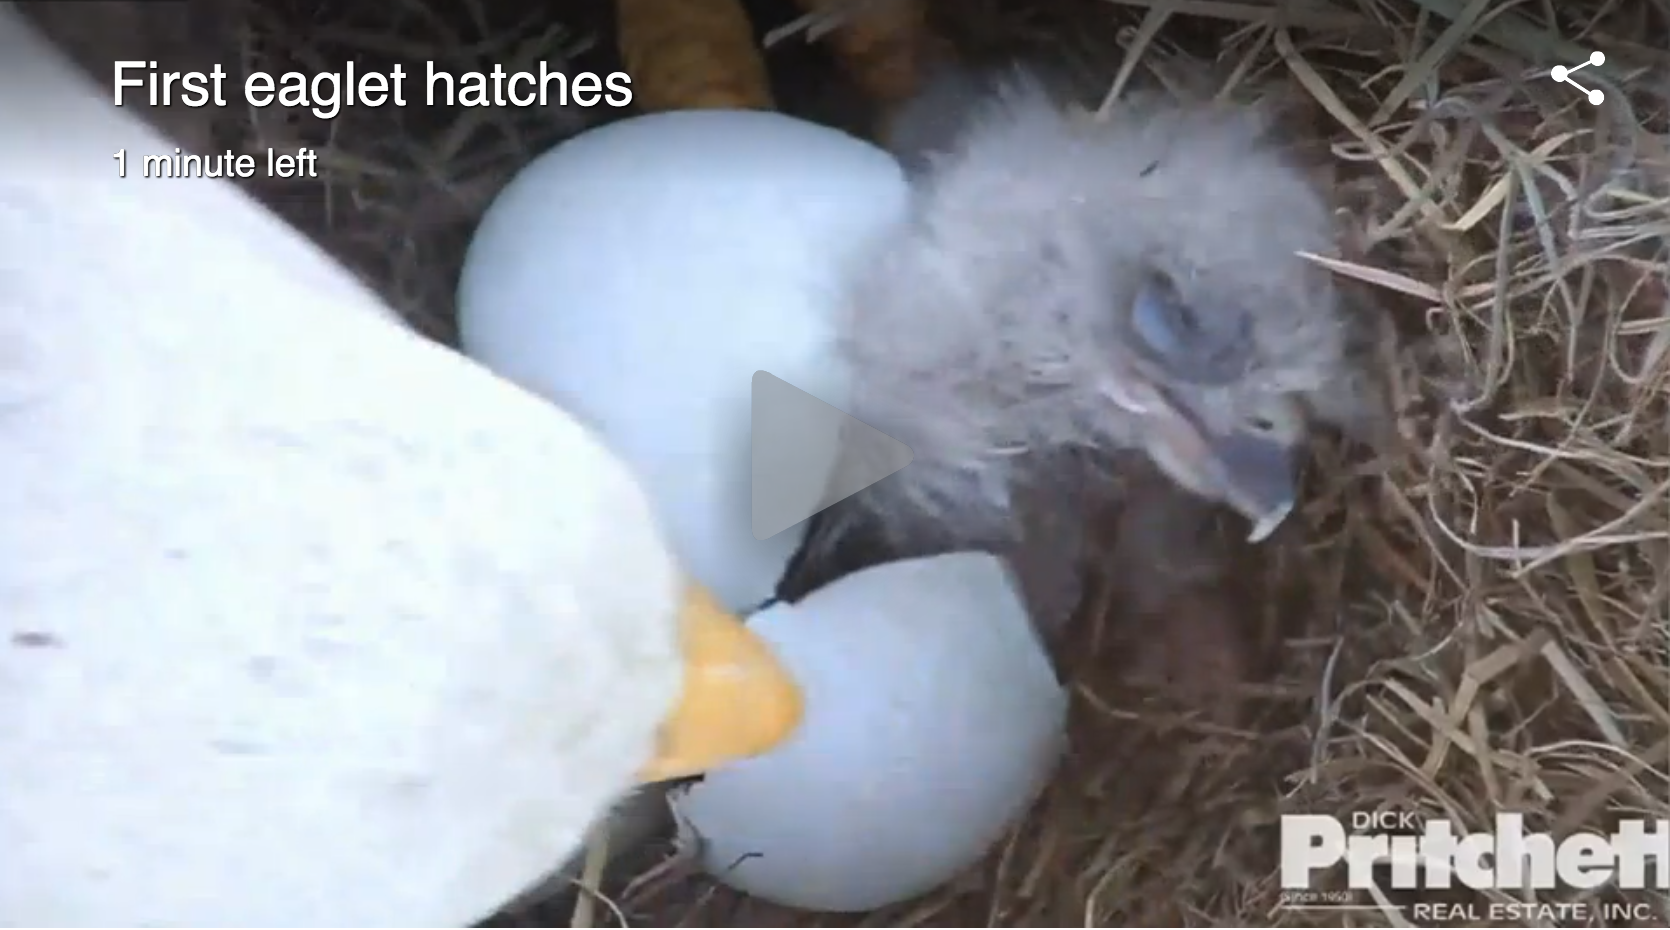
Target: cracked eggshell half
{"x": 933, "y": 718}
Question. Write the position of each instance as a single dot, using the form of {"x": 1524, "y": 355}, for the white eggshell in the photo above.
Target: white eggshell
{"x": 640, "y": 273}
{"x": 933, "y": 718}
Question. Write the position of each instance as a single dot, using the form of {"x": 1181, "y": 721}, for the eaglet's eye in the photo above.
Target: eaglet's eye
{"x": 1174, "y": 334}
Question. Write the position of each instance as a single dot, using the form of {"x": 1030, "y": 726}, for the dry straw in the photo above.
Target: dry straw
{"x": 1477, "y": 621}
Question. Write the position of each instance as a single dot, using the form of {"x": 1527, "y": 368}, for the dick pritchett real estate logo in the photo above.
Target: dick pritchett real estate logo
{"x": 1411, "y": 854}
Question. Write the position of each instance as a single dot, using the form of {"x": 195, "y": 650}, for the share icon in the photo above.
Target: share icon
{"x": 1563, "y": 74}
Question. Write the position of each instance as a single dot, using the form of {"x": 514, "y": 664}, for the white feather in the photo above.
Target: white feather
{"x": 304, "y": 621}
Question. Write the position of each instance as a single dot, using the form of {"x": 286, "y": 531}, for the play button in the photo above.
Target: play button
{"x": 795, "y": 436}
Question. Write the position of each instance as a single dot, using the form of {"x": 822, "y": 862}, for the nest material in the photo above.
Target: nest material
{"x": 1477, "y": 622}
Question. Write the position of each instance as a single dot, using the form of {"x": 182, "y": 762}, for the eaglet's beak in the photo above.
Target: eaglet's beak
{"x": 1254, "y": 471}
{"x": 1260, "y": 478}
{"x": 738, "y": 700}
